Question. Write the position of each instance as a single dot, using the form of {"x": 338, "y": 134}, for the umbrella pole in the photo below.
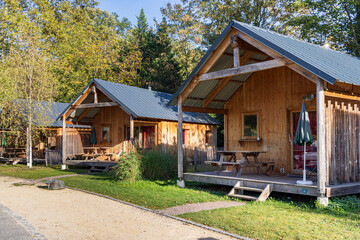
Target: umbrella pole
{"x": 304, "y": 171}
{"x": 304, "y": 182}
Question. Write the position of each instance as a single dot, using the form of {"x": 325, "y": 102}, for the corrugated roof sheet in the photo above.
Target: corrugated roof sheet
{"x": 148, "y": 104}
{"x": 56, "y": 109}
{"x": 145, "y": 103}
{"x": 327, "y": 64}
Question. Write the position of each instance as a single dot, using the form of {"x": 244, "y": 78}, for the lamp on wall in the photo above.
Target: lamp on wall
{"x": 309, "y": 97}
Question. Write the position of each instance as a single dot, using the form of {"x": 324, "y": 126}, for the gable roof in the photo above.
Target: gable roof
{"x": 144, "y": 103}
{"x": 56, "y": 108}
{"x": 325, "y": 63}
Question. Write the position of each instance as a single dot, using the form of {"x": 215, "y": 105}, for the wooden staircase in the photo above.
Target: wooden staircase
{"x": 238, "y": 192}
{"x": 99, "y": 168}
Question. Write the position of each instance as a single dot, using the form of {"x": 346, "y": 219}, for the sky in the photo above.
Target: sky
{"x": 131, "y": 8}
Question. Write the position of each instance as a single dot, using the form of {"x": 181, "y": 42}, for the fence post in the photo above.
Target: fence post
{"x": 195, "y": 159}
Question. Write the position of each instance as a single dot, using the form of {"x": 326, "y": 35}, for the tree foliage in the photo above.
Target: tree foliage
{"x": 336, "y": 22}
{"x": 159, "y": 67}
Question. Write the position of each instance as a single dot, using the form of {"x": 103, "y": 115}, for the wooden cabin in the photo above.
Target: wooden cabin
{"x": 124, "y": 117}
{"x": 258, "y": 79}
{"x": 48, "y": 142}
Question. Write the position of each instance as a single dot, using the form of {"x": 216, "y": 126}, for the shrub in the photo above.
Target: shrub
{"x": 128, "y": 167}
{"x": 346, "y": 203}
{"x": 156, "y": 165}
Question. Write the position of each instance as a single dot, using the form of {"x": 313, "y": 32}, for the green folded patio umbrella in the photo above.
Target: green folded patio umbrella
{"x": 304, "y": 137}
{"x": 93, "y": 136}
{"x": 3, "y": 140}
{"x": 3, "y": 143}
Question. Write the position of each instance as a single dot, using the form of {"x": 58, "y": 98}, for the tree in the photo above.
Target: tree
{"x": 200, "y": 22}
{"x": 336, "y": 22}
{"x": 158, "y": 64}
{"x": 26, "y": 82}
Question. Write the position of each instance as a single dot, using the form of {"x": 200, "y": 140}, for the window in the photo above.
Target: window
{"x": 105, "y": 133}
{"x": 208, "y": 137}
{"x": 250, "y": 125}
{"x": 126, "y": 133}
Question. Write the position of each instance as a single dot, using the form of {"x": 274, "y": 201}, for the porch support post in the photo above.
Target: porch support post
{"x": 131, "y": 129}
{"x": 180, "y": 181}
{"x": 63, "y": 166}
{"x": 321, "y": 160}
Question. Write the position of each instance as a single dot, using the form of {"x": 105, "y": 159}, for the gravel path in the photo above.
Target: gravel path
{"x": 69, "y": 214}
{"x": 197, "y": 207}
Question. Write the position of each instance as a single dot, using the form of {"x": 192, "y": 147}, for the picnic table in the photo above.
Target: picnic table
{"x": 95, "y": 152}
{"x": 242, "y": 163}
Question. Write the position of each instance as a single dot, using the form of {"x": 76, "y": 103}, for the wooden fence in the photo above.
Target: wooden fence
{"x": 342, "y": 142}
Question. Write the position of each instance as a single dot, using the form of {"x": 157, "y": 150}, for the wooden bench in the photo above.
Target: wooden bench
{"x": 238, "y": 166}
{"x": 221, "y": 163}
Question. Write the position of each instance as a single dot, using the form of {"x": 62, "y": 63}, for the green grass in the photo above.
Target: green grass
{"x": 150, "y": 194}
{"x": 36, "y": 172}
{"x": 282, "y": 220}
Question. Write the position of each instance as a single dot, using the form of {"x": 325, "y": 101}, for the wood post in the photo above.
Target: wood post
{"x": 195, "y": 159}
{"x": 321, "y": 153}
{"x": 131, "y": 129}
{"x": 95, "y": 94}
{"x": 64, "y": 143}
{"x": 180, "y": 143}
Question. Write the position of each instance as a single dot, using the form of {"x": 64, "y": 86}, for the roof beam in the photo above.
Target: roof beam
{"x": 208, "y": 65}
{"x": 79, "y": 100}
{"x": 83, "y": 114}
{"x": 96, "y": 105}
{"x": 204, "y": 110}
{"x": 302, "y": 71}
{"x": 222, "y": 83}
{"x": 255, "y": 67}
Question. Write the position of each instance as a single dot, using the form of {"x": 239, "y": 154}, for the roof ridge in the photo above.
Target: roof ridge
{"x": 140, "y": 88}
{"x": 297, "y": 39}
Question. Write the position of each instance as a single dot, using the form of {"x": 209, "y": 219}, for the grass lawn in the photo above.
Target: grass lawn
{"x": 150, "y": 194}
{"x": 36, "y": 172}
{"x": 282, "y": 220}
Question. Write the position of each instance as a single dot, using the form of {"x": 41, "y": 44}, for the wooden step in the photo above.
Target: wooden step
{"x": 241, "y": 196}
{"x": 250, "y": 189}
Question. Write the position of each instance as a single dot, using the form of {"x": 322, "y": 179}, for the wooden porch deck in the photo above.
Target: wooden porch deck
{"x": 285, "y": 184}
{"x": 90, "y": 163}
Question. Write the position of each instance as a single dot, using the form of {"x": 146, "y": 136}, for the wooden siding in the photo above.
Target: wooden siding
{"x": 195, "y": 137}
{"x": 116, "y": 119}
{"x": 165, "y": 133}
{"x": 342, "y": 142}
{"x": 274, "y": 94}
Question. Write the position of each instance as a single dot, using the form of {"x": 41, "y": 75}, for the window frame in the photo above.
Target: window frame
{"x": 102, "y": 132}
{"x": 243, "y": 114}
{"x": 208, "y": 138}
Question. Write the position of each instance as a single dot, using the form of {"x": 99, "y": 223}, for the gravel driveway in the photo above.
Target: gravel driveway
{"x": 69, "y": 214}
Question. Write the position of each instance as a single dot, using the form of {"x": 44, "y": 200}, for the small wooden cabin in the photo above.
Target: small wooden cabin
{"x": 125, "y": 116}
{"x": 258, "y": 79}
{"x": 50, "y": 138}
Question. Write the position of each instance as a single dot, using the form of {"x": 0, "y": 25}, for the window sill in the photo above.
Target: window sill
{"x": 258, "y": 140}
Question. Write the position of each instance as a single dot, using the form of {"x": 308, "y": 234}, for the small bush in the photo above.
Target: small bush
{"x": 128, "y": 167}
{"x": 156, "y": 165}
{"x": 344, "y": 204}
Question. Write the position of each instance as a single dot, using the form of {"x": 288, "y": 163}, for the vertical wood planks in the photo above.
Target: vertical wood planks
{"x": 343, "y": 142}
{"x": 333, "y": 144}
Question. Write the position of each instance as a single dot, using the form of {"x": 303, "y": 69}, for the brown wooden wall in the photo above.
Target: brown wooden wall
{"x": 275, "y": 93}
{"x": 166, "y": 138}
{"x": 117, "y": 119}
{"x": 342, "y": 142}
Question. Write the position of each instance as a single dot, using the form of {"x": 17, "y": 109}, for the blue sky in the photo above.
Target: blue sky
{"x": 131, "y": 8}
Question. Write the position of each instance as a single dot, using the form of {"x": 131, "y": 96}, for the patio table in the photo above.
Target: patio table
{"x": 244, "y": 161}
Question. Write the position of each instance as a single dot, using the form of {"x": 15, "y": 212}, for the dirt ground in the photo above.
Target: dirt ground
{"x": 69, "y": 214}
